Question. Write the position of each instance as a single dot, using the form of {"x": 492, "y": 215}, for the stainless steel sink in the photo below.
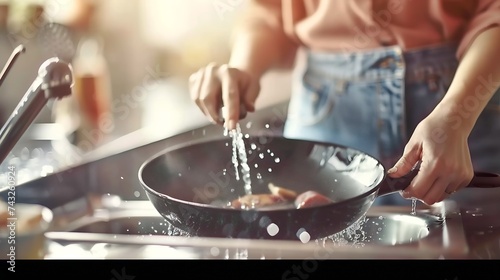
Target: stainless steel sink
{"x": 384, "y": 229}
{"x": 134, "y": 229}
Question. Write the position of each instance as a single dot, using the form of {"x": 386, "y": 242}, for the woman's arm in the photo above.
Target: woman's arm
{"x": 440, "y": 140}
{"x": 259, "y": 44}
{"x": 476, "y": 80}
{"x": 259, "y": 40}
{"x": 257, "y": 50}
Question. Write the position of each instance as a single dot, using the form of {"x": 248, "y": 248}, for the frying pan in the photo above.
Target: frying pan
{"x": 190, "y": 184}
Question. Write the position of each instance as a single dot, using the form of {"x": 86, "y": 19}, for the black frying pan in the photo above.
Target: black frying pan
{"x": 189, "y": 184}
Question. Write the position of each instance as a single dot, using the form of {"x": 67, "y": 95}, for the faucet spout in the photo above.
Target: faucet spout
{"x": 54, "y": 80}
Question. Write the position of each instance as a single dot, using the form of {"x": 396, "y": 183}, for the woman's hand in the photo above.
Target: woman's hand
{"x": 440, "y": 140}
{"x": 443, "y": 151}
{"x": 216, "y": 86}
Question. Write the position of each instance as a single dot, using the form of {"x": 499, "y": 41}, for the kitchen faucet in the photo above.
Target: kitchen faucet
{"x": 54, "y": 80}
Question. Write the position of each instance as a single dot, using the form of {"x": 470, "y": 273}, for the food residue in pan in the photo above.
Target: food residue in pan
{"x": 280, "y": 198}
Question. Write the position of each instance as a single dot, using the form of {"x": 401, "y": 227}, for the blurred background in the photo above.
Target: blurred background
{"x": 131, "y": 61}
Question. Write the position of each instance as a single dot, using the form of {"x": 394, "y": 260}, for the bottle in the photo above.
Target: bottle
{"x": 92, "y": 92}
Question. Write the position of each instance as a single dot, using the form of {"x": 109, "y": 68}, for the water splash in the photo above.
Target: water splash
{"x": 353, "y": 236}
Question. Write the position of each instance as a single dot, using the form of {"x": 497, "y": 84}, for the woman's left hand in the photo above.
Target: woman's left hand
{"x": 440, "y": 140}
{"x": 441, "y": 147}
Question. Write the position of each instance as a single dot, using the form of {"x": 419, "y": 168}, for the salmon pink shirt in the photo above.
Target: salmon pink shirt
{"x": 350, "y": 25}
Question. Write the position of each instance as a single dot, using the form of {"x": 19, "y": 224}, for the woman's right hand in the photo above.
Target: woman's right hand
{"x": 216, "y": 86}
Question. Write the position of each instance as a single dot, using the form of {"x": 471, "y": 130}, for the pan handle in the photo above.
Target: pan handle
{"x": 484, "y": 180}
{"x": 390, "y": 185}
{"x": 480, "y": 180}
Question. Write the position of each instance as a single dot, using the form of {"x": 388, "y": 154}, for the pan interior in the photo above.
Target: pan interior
{"x": 204, "y": 172}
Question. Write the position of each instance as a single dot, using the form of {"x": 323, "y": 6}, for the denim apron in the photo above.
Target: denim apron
{"x": 373, "y": 100}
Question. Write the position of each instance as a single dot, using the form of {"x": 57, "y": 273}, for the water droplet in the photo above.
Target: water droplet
{"x": 256, "y": 165}
{"x": 214, "y": 251}
{"x": 121, "y": 178}
{"x": 249, "y": 125}
{"x": 139, "y": 223}
{"x": 247, "y": 136}
{"x": 137, "y": 193}
{"x": 259, "y": 176}
{"x": 267, "y": 125}
{"x": 261, "y": 155}
{"x": 272, "y": 229}
{"x": 277, "y": 160}
{"x": 270, "y": 169}
{"x": 253, "y": 146}
{"x": 180, "y": 175}
{"x": 25, "y": 154}
{"x": 304, "y": 237}
{"x": 227, "y": 144}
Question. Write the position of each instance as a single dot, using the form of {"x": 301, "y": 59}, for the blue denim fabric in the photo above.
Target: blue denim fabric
{"x": 373, "y": 100}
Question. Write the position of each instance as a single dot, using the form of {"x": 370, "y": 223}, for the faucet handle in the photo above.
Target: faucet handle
{"x": 57, "y": 78}
{"x": 15, "y": 53}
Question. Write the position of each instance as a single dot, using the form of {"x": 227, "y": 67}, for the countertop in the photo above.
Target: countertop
{"x": 113, "y": 169}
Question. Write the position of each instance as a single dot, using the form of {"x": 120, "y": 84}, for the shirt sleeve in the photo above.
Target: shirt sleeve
{"x": 487, "y": 15}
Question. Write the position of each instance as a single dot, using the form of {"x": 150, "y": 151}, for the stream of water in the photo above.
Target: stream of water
{"x": 240, "y": 152}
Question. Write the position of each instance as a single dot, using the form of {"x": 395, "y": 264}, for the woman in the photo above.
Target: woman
{"x": 405, "y": 81}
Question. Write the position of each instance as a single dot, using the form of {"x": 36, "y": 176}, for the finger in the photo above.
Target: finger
{"x": 251, "y": 94}
{"x": 453, "y": 188}
{"x": 195, "y": 81}
{"x": 465, "y": 183}
{"x": 445, "y": 195}
{"x": 410, "y": 157}
{"x": 193, "y": 78}
{"x": 467, "y": 175}
{"x": 421, "y": 184}
{"x": 437, "y": 192}
{"x": 230, "y": 97}
{"x": 209, "y": 93}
